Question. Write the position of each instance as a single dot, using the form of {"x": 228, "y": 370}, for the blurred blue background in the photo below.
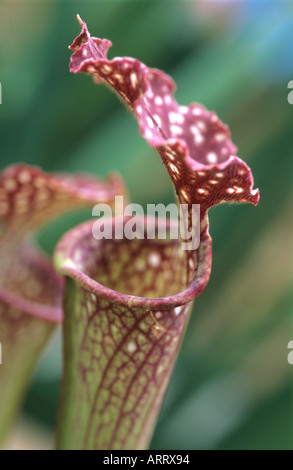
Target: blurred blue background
{"x": 232, "y": 384}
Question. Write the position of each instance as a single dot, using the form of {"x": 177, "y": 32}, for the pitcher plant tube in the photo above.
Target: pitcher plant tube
{"x": 127, "y": 302}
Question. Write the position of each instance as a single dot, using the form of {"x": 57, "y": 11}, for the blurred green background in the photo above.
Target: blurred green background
{"x": 232, "y": 384}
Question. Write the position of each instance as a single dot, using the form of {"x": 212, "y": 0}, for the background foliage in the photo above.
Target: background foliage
{"x": 232, "y": 385}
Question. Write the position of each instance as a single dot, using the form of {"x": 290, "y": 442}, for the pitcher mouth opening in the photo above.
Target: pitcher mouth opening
{"x": 136, "y": 273}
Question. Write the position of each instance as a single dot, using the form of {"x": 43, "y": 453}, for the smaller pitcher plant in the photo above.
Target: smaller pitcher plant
{"x": 30, "y": 289}
{"x": 126, "y": 302}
